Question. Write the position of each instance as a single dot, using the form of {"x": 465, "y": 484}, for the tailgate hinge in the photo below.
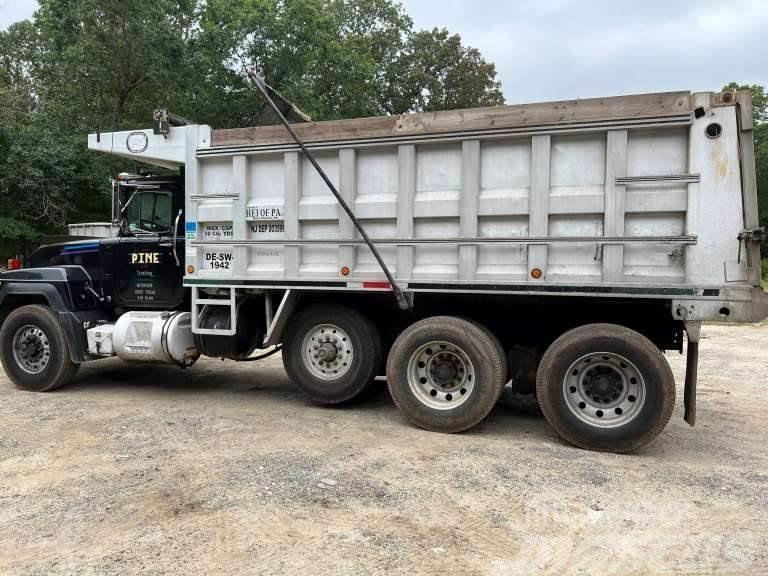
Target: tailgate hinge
{"x": 755, "y": 234}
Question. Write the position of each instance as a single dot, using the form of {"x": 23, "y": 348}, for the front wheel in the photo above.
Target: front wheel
{"x": 605, "y": 387}
{"x": 34, "y": 349}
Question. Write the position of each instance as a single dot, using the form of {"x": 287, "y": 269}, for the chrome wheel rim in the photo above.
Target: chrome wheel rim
{"x": 604, "y": 389}
{"x": 441, "y": 375}
{"x": 327, "y": 352}
{"x": 31, "y": 349}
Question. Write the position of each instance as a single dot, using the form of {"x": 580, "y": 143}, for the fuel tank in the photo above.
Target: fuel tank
{"x": 149, "y": 336}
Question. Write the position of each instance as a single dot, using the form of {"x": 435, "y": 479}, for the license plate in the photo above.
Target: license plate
{"x": 219, "y": 260}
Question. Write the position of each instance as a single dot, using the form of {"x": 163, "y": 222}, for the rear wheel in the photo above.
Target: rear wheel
{"x": 502, "y": 355}
{"x": 445, "y": 374}
{"x": 331, "y": 352}
{"x": 34, "y": 349}
{"x": 605, "y": 387}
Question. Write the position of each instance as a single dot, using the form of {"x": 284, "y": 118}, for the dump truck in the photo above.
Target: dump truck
{"x": 557, "y": 249}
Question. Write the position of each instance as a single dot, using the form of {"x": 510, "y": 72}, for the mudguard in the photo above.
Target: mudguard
{"x": 66, "y": 289}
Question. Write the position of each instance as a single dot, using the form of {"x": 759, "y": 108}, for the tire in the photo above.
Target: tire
{"x": 24, "y": 336}
{"x": 607, "y": 388}
{"x": 349, "y": 334}
{"x": 502, "y": 355}
{"x": 464, "y": 386}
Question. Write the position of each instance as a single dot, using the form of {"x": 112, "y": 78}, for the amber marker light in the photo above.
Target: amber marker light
{"x": 190, "y": 269}
{"x": 536, "y": 273}
{"x": 345, "y": 271}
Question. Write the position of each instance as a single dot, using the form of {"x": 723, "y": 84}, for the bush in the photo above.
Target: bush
{"x": 765, "y": 271}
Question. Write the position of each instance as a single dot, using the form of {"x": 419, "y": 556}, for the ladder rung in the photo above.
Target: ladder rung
{"x": 211, "y": 332}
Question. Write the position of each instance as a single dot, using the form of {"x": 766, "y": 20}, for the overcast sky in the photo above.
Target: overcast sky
{"x": 559, "y": 49}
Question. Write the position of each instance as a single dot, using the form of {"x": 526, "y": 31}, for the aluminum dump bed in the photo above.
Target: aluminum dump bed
{"x": 646, "y": 196}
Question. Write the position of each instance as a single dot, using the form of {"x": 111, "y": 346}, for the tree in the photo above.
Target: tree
{"x": 338, "y": 59}
{"x": 85, "y": 65}
{"x": 759, "y": 99}
{"x": 111, "y": 60}
{"x": 435, "y": 71}
{"x": 79, "y": 66}
{"x": 325, "y": 55}
{"x": 17, "y": 104}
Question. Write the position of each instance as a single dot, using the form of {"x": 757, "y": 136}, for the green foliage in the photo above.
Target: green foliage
{"x": 435, "y": 72}
{"x": 765, "y": 272}
{"x": 761, "y": 165}
{"x": 328, "y": 56}
{"x": 11, "y": 229}
{"x": 85, "y": 65}
{"x": 335, "y": 59}
{"x": 110, "y": 60}
{"x": 80, "y": 66}
{"x": 759, "y": 99}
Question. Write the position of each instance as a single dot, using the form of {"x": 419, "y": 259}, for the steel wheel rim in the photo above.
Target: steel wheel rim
{"x": 327, "y": 352}
{"x": 604, "y": 389}
{"x": 31, "y": 349}
{"x": 441, "y": 375}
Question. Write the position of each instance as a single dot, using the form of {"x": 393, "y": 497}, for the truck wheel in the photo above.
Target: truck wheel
{"x": 445, "y": 374}
{"x": 34, "y": 349}
{"x": 499, "y": 350}
{"x": 331, "y": 352}
{"x": 605, "y": 387}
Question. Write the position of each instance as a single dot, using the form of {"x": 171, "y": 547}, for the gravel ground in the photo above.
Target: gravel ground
{"x": 227, "y": 469}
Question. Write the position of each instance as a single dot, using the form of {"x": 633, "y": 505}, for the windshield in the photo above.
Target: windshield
{"x": 150, "y": 212}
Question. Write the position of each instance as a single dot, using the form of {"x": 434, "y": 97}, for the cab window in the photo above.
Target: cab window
{"x": 150, "y": 212}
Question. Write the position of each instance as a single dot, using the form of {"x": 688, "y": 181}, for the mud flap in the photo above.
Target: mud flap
{"x": 691, "y": 371}
{"x": 73, "y": 324}
{"x": 691, "y": 375}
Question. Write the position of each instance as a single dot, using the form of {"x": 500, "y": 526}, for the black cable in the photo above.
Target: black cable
{"x": 402, "y": 301}
{"x": 275, "y": 350}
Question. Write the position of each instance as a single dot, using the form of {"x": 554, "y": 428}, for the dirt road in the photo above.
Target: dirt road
{"x": 227, "y": 469}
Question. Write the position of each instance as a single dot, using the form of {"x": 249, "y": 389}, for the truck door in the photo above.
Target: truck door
{"x": 148, "y": 271}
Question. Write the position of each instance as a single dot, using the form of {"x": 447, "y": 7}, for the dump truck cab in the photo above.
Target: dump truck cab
{"x": 69, "y": 287}
{"x": 142, "y": 267}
